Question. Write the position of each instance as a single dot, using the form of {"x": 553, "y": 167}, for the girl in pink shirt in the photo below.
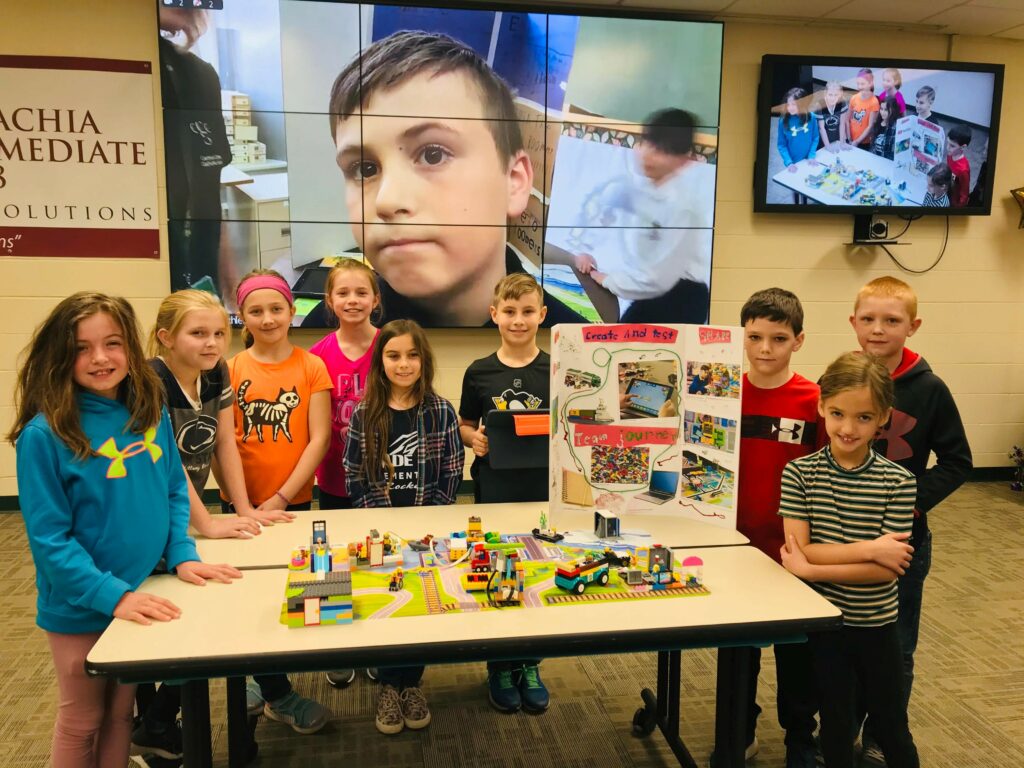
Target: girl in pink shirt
{"x": 353, "y": 296}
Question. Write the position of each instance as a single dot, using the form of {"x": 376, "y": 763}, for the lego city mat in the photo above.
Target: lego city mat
{"x": 385, "y": 576}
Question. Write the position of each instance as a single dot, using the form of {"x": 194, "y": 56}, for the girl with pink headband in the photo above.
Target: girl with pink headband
{"x": 282, "y": 429}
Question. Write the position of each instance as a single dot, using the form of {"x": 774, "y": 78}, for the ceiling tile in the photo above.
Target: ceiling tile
{"x": 977, "y": 20}
{"x": 680, "y": 6}
{"x": 1017, "y": 33}
{"x": 804, "y": 9}
{"x": 904, "y": 11}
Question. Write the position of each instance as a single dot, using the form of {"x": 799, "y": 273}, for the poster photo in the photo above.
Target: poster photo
{"x": 439, "y": 145}
{"x": 631, "y": 432}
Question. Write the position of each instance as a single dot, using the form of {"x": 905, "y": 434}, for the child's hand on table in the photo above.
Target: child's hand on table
{"x": 141, "y": 607}
{"x": 195, "y": 572}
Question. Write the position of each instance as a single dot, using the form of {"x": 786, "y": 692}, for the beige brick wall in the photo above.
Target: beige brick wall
{"x": 973, "y": 331}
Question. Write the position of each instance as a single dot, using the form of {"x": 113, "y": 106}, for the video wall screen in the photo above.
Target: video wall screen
{"x": 446, "y": 148}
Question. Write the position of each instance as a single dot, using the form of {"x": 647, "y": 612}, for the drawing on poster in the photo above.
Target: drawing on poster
{"x": 706, "y": 480}
{"x": 713, "y": 379}
{"x": 619, "y": 465}
{"x": 648, "y": 389}
{"x": 705, "y": 429}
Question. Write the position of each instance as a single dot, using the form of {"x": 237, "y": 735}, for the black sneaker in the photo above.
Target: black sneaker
{"x": 163, "y": 741}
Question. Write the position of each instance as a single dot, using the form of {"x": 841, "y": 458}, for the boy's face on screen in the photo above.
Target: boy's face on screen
{"x": 423, "y": 175}
{"x": 953, "y": 149}
{"x": 924, "y": 106}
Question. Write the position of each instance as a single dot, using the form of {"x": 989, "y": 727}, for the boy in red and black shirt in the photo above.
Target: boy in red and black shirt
{"x": 779, "y": 424}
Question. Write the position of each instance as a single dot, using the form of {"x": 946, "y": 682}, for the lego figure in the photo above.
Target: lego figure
{"x": 397, "y": 580}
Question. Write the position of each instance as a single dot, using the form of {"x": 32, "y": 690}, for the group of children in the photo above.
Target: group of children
{"x": 101, "y": 433}
{"x": 851, "y": 481}
{"x": 869, "y": 121}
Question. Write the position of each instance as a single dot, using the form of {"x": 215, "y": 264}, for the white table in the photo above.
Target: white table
{"x": 234, "y": 630}
{"x": 273, "y": 546}
{"x": 857, "y": 159}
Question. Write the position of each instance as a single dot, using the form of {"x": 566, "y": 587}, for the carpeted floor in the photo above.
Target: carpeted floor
{"x": 967, "y": 710}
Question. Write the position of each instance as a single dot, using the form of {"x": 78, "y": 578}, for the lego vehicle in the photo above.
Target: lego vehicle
{"x": 578, "y": 379}
{"x": 576, "y": 576}
{"x": 481, "y": 559}
{"x": 547, "y": 534}
{"x": 510, "y": 574}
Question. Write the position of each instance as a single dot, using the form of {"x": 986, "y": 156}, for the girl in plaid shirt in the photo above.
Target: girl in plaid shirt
{"x": 403, "y": 450}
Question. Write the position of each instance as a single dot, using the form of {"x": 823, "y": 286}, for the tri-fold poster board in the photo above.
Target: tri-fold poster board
{"x": 645, "y": 418}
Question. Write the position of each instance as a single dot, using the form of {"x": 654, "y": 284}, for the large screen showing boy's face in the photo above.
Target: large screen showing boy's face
{"x": 447, "y": 148}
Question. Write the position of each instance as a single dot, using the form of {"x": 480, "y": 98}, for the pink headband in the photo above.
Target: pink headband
{"x": 256, "y": 282}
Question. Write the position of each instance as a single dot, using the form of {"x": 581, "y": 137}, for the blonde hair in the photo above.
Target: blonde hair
{"x": 175, "y": 308}
{"x": 854, "y": 370}
{"x": 515, "y": 286}
{"x": 353, "y": 265}
{"x": 889, "y": 288}
{"x": 46, "y": 381}
{"x": 897, "y": 78}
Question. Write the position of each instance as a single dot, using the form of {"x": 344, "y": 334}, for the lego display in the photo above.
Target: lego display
{"x": 334, "y": 585}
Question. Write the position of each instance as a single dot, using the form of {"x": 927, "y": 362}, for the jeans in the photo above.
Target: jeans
{"x": 868, "y": 658}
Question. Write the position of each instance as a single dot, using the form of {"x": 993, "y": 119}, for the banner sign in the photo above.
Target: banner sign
{"x": 77, "y": 158}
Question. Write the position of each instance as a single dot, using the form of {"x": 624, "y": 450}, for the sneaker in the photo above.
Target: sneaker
{"x": 163, "y": 741}
{"x": 532, "y": 690}
{"x": 302, "y": 714}
{"x": 872, "y": 755}
{"x": 503, "y": 692}
{"x": 253, "y": 699}
{"x": 415, "y": 711}
{"x": 341, "y": 678}
{"x": 752, "y": 749}
{"x": 372, "y": 673}
{"x": 389, "y": 711}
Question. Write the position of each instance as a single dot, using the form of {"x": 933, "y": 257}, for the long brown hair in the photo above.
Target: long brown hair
{"x": 46, "y": 380}
{"x": 374, "y": 405}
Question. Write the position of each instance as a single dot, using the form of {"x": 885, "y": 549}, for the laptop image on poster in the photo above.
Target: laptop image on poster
{"x": 647, "y": 399}
{"x": 663, "y": 487}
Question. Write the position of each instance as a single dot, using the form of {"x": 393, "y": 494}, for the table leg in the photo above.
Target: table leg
{"x": 662, "y": 710}
{"x": 195, "y": 724}
{"x": 242, "y": 747}
{"x": 730, "y": 706}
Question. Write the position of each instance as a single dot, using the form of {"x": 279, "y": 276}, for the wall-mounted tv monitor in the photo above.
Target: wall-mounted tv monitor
{"x": 446, "y": 147}
{"x": 867, "y": 136}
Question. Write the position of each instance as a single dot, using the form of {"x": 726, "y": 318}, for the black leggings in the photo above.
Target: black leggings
{"x": 868, "y": 657}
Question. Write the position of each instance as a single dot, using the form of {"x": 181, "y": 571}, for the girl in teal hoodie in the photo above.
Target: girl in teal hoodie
{"x": 103, "y": 495}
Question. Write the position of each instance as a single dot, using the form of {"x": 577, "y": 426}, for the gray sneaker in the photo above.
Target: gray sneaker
{"x": 253, "y": 699}
{"x": 389, "y": 711}
{"x": 415, "y": 711}
{"x": 341, "y": 678}
{"x": 302, "y": 714}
